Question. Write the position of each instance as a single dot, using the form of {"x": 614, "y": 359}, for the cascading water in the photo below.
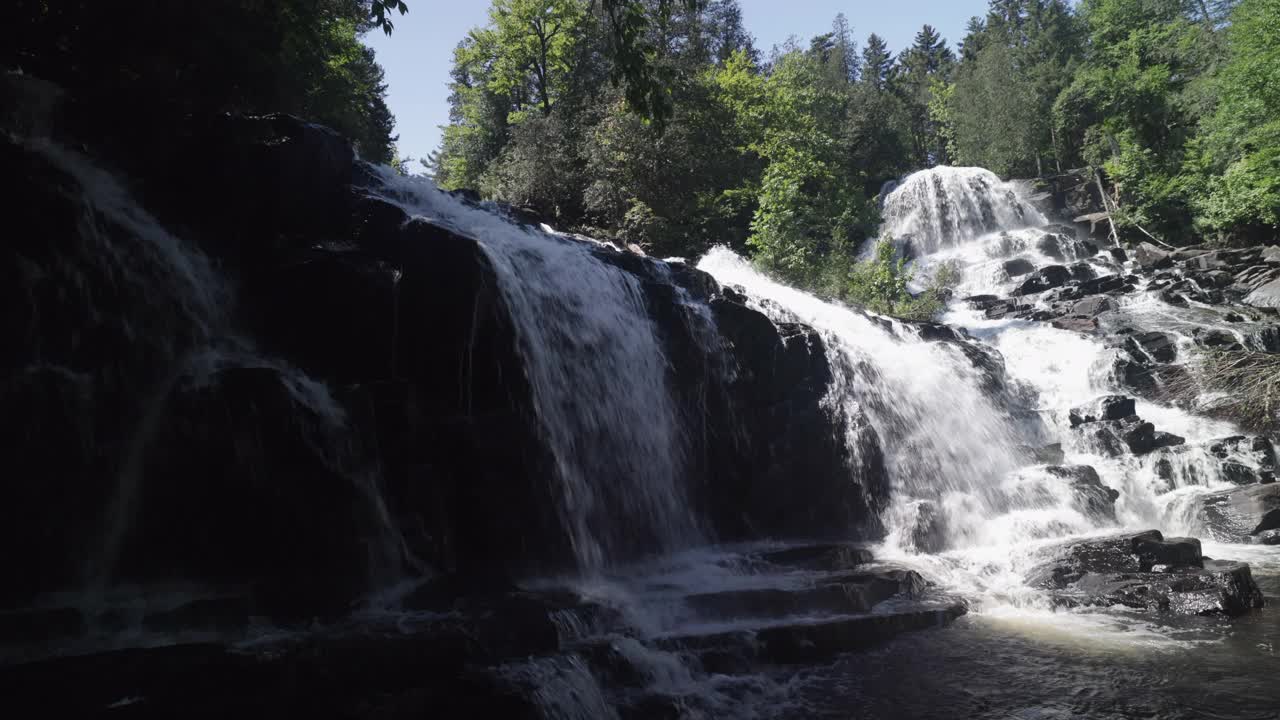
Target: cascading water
{"x": 960, "y": 455}
{"x": 950, "y": 206}
{"x": 599, "y": 378}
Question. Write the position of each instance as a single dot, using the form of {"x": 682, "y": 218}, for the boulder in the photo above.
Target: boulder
{"x": 1145, "y": 571}
{"x": 1104, "y": 284}
{"x": 1046, "y": 278}
{"x": 1265, "y": 296}
{"x": 981, "y": 302}
{"x": 1091, "y": 497}
{"x": 1158, "y": 347}
{"x": 1257, "y": 451}
{"x": 1216, "y": 339}
{"x": 1093, "y": 306}
{"x": 1149, "y": 257}
{"x": 1241, "y": 514}
{"x": 1076, "y": 324}
{"x": 1109, "y": 407}
{"x": 1116, "y": 437}
{"x": 1010, "y": 308}
{"x": 1265, "y": 339}
{"x": 1017, "y": 267}
{"x": 1081, "y": 272}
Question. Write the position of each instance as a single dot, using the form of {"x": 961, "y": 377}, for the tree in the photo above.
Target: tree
{"x": 178, "y": 59}
{"x": 1135, "y": 103}
{"x": 531, "y": 44}
{"x": 876, "y": 62}
{"x": 1235, "y": 162}
{"x": 927, "y": 60}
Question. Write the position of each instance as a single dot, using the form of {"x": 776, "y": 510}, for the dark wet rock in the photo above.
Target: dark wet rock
{"x": 1091, "y": 497}
{"x": 40, "y": 626}
{"x": 222, "y": 614}
{"x": 1216, "y": 339}
{"x": 1081, "y": 272}
{"x": 1118, "y": 254}
{"x": 1157, "y": 346}
{"x": 1046, "y": 278}
{"x": 829, "y": 557}
{"x": 803, "y": 482}
{"x": 1109, "y": 407}
{"x": 1104, "y": 284}
{"x": 981, "y": 302}
{"x": 1240, "y": 514}
{"x": 1146, "y": 571}
{"x": 1093, "y": 306}
{"x": 808, "y": 641}
{"x": 1018, "y": 266}
{"x": 1059, "y": 229}
{"x": 1266, "y": 339}
{"x": 375, "y": 676}
{"x": 1259, "y": 450}
{"x": 842, "y": 595}
{"x": 1267, "y": 537}
{"x": 1010, "y": 308}
{"x": 1116, "y": 437}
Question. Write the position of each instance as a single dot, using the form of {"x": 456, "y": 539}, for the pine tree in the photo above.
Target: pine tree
{"x": 876, "y": 62}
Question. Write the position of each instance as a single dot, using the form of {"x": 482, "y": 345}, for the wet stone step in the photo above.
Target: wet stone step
{"x": 806, "y": 640}
{"x": 846, "y": 594}
{"x": 825, "y": 556}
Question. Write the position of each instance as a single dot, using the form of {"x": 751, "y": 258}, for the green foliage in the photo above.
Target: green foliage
{"x": 926, "y": 65}
{"x": 880, "y": 284}
{"x": 653, "y": 122}
{"x": 811, "y": 205}
{"x": 1236, "y": 160}
{"x": 1016, "y": 62}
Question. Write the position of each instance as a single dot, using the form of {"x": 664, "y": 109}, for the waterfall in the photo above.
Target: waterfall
{"x": 970, "y": 503}
{"x": 159, "y": 324}
{"x": 951, "y": 206}
{"x": 599, "y": 378}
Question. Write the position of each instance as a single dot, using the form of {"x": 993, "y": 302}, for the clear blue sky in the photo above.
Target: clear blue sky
{"x": 418, "y": 54}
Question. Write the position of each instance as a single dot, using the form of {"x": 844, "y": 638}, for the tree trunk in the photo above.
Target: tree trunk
{"x": 543, "y": 82}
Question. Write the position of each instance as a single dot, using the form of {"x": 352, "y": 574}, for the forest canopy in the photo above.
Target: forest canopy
{"x": 784, "y": 154}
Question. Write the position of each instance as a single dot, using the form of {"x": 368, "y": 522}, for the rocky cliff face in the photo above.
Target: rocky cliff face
{"x": 244, "y": 367}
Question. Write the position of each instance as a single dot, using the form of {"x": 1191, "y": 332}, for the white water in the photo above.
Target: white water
{"x": 599, "y": 379}
{"x": 951, "y": 444}
{"x": 951, "y": 206}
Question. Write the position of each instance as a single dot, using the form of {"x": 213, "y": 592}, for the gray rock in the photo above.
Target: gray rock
{"x": 1265, "y": 296}
{"x": 1093, "y": 306}
{"x": 1108, "y": 407}
{"x": 1150, "y": 257}
{"x": 1239, "y": 515}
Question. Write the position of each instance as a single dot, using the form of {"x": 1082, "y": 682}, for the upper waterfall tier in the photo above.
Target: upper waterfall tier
{"x": 945, "y": 206}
